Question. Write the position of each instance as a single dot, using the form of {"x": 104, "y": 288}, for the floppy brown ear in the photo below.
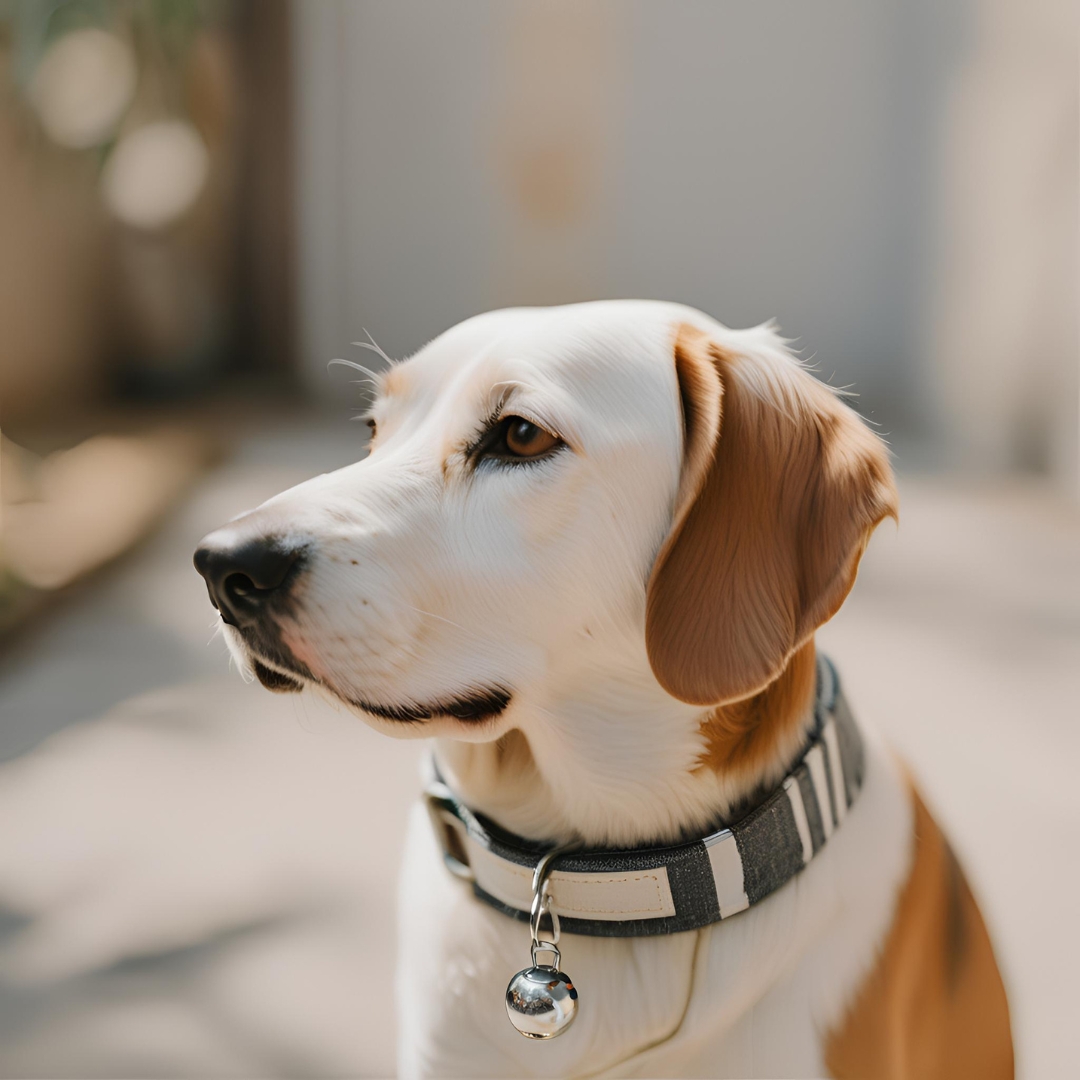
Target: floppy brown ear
{"x": 782, "y": 485}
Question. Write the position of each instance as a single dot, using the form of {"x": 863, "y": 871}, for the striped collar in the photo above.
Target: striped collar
{"x": 663, "y": 890}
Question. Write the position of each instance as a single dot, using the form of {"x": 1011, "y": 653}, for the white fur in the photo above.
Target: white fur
{"x": 427, "y": 579}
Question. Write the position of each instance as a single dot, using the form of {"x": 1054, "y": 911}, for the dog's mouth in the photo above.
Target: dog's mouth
{"x": 273, "y": 663}
{"x": 474, "y": 706}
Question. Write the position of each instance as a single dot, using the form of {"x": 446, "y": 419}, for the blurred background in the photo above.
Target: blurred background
{"x": 202, "y": 202}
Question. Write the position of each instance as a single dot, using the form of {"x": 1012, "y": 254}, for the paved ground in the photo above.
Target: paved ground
{"x": 199, "y": 881}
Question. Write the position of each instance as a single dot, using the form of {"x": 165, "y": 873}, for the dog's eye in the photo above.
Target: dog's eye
{"x": 371, "y": 427}
{"x": 526, "y": 440}
{"x": 515, "y": 440}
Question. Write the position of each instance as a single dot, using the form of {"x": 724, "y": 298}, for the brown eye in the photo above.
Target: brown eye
{"x": 371, "y": 427}
{"x": 525, "y": 439}
{"x": 513, "y": 440}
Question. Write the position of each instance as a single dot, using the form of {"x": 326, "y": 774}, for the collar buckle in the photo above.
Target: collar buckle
{"x": 444, "y": 811}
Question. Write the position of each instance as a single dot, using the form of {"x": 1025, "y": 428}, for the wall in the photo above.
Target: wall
{"x": 756, "y": 160}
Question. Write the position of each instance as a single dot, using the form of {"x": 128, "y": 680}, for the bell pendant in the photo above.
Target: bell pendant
{"x": 541, "y": 1002}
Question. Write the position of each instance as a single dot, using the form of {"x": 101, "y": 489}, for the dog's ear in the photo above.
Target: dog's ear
{"x": 782, "y": 485}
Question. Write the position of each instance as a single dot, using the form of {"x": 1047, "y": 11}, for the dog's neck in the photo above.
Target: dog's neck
{"x": 607, "y": 757}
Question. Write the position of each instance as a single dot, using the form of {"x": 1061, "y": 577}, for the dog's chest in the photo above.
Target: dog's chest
{"x": 753, "y": 995}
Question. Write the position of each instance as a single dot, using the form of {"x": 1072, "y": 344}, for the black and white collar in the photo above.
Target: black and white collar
{"x": 663, "y": 890}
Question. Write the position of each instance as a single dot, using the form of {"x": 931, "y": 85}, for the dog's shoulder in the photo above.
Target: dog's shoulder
{"x": 934, "y": 1005}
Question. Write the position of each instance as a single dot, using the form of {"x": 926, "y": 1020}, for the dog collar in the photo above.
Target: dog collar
{"x": 665, "y": 890}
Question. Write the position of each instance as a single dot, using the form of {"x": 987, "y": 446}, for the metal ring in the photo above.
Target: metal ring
{"x": 546, "y": 946}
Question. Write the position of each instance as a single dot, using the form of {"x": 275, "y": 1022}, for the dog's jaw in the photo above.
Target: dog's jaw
{"x": 618, "y": 762}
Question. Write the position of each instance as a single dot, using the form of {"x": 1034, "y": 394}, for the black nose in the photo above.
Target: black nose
{"x": 245, "y": 573}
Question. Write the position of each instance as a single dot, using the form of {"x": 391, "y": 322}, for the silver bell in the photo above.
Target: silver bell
{"x": 541, "y": 1000}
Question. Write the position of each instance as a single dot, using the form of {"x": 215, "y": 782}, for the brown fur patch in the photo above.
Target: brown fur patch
{"x": 747, "y": 736}
{"x": 934, "y": 1007}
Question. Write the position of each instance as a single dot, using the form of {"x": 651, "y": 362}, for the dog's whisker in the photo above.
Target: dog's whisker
{"x": 373, "y": 346}
{"x": 375, "y": 376}
{"x": 450, "y": 622}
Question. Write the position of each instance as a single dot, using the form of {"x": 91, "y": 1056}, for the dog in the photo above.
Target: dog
{"x": 586, "y": 555}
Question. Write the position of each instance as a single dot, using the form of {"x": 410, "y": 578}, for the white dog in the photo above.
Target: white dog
{"x": 587, "y": 554}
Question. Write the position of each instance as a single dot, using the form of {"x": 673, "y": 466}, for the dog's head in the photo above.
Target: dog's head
{"x": 623, "y": 486}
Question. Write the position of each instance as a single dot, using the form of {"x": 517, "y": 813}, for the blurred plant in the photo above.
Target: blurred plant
{"x": 168, "y": 26}
{"x": 109, "y": 77}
